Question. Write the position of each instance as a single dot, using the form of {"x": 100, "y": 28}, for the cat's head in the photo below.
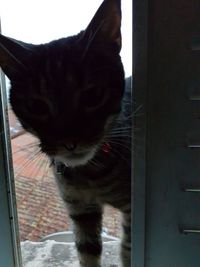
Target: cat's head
{"x": 67, "y": 92}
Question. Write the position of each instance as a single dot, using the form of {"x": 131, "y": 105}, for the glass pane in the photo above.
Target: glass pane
{"x": 41, "y": 210}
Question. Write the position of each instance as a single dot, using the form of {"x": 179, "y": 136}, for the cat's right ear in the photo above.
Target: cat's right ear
{"x": 104, "y": 29}
{"x": 13, "y": 55}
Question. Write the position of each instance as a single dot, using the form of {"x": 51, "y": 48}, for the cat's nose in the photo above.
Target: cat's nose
{"x": 70, "y": 146}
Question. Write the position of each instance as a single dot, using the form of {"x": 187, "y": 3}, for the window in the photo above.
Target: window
{"x": 32, "y": 176}
{"x": 9, "y": 242}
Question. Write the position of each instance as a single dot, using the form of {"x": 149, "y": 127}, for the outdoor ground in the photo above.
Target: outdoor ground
{"x": 40, "y": 208}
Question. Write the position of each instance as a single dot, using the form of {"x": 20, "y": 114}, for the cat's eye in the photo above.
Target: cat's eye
{"x": 93, "y": 98}
{"x": 39, "y": 108}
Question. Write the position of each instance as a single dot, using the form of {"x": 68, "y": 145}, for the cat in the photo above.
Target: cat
{"x": 71, "y": 94}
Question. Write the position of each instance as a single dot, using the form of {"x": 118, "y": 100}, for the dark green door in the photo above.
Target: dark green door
{"x": 168, "y": 139}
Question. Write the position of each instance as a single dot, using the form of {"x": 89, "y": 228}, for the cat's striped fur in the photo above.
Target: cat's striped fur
{"x": 70, "y": 94}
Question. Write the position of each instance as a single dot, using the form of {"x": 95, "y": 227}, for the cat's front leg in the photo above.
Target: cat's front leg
{"x": 87, "y": 230}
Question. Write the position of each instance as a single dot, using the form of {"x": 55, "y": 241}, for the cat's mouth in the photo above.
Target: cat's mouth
{"x": 75, "y": 159}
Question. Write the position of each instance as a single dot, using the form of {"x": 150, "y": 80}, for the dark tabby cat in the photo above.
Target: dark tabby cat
{"x": 70, "y": 94}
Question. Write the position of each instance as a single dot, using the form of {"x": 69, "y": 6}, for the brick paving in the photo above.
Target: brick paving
{"x": 41, "y": 211}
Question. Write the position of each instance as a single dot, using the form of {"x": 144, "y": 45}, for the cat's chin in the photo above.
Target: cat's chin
{"x": 75, "y": 160}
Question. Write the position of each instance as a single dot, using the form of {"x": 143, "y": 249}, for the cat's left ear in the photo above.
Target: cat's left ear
{"x": 13, "y": 55}
{"x": 104, "y": 29}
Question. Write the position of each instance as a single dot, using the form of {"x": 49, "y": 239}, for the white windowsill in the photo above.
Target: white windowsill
{"x": 59, "y": 254}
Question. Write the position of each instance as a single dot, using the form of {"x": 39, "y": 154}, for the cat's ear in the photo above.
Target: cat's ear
{"x": 13, "y": 55}
{"x": 104, "y": 28}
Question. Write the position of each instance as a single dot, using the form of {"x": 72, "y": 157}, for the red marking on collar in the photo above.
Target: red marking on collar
{"x": 106, "y": 147}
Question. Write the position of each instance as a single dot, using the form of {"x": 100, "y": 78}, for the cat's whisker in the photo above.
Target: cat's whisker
{"x": 30, "y": 160}
{"x": 118, "y": 143}
{"x": 45, "y": 167}
{"x": 115, "y": 151}
{"x": 27, "y": 148}
{"x": 136, "y": 110}
{"x": 97, "y": 163}
{"x": 93, "y": 162}
{"x": 19, "y": 158}
{"x": 120, "y": 129}
{"x": 42, "y": 163}
{"x": 38, "y": 162}
{"x": 119, "y": 136}
{"x": 28, "y": 163}
{"x": 34, "y": 144}
{"x": 124, "y": 120}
